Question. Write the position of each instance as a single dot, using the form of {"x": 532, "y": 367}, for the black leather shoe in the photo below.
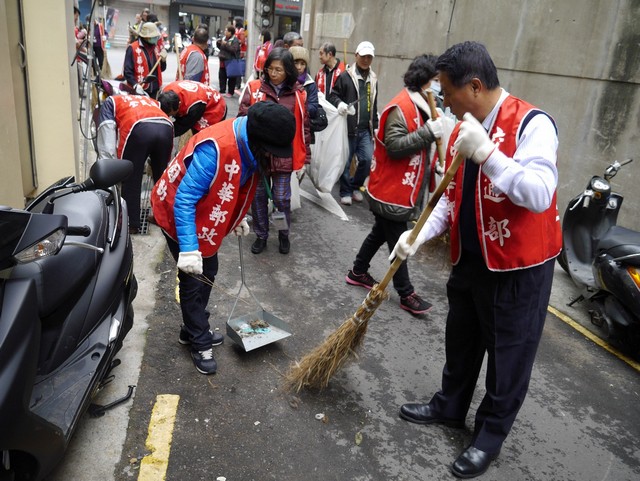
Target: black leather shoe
{"x": 472, "y": 462}
{"x": 285, "y": 245}
{"x": 423, "y": 414}
{"x": 258, "y": 246}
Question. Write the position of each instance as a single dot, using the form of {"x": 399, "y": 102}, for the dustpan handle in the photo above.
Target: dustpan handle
{"x": 243, "y": 284}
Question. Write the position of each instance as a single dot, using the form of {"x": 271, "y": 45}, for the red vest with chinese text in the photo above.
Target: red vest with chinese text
{"x": 191, "y": 93}
{"x": 299, "y": 146}
{"x": 129, "y": 110}
{"x": 140, "y": 65}
{"x": 511, "y": 237}
{"x": 262, "y": 53}
{"x": 226, "y": 203}
{"x": 182, "y": 65}
{"x": 397, "y": 181}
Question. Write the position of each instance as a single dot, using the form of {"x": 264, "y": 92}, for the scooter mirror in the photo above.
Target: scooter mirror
{"x": 107, "y": 172}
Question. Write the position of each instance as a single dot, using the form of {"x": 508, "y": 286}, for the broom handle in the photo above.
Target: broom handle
{"x": 435, "y": 197}
{"x": 434, "y": 115}
{"x": 175, "y": 47}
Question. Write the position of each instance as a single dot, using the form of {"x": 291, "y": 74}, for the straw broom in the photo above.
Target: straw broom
{"x": 316, "y": 368}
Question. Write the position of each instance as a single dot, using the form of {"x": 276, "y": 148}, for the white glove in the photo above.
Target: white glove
{"x": 439, "y": 168}
{"x": 402, "y": 248}
{"x": 139, "y": 90}
{"x": 436, "y": 127}
{"x": 242, "y": 229}
{"x": 473, "y": 142}
{"x": 343, "y": 109}
{"x": 190, "y": 262}
{"x": 163, "y": 54}
{"x": 351, "y": 110}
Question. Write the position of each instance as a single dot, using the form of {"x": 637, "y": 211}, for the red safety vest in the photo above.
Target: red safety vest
{"x": 226, "y": 203}
{"x": 184, "y": 56}
{"x": 321, "y": 77}
{"x": 397, "y": 181}
{"x": 140, "y": 65}
{"x": 191, "y": 93}
{"x": 299, "y": 146}
{"x": 129, "y": 110}
{"x": 511, "y": 237}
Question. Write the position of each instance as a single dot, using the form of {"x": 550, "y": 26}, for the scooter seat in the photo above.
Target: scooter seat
{"x": 620, "y": 242}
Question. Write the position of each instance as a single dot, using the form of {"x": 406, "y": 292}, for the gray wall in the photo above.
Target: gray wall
{"x": 577, "y": 59}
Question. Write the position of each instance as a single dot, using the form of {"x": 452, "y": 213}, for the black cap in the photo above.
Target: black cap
{"x": 272, "y": 126}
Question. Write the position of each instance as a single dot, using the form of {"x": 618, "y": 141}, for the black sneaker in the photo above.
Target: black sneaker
{"x": 258, "y": 246}
{"x": 284, "y": 244}
{"x": 185, "y": 340}
{"x": 364, "y": 280}
{"x": 414, "y": 304}
{"x": 204, "y": 361}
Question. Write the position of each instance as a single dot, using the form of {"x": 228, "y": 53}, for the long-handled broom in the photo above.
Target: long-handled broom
{"x": 316, "y": 368}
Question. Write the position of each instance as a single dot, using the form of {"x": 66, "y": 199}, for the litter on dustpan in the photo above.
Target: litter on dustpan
{"x": 257, "y": 328}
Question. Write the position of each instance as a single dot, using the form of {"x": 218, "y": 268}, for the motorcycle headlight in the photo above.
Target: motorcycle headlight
{"x": 49, "y": 246}
{"x": 635, "y": 275}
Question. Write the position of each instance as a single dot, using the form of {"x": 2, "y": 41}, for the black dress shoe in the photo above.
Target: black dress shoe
{"x": 258, "y": 246}
{"x": 472, "y": 462}
{"x": 285, "y": 245}
{"x": 423, "y": 414}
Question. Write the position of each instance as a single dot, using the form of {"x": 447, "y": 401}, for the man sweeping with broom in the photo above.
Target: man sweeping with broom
{"x": 505, "y": 235}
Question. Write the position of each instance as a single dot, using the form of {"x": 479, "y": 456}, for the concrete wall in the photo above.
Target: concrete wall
{"x": 577, "y": 59}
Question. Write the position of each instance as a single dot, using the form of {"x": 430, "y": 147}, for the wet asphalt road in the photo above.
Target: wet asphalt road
{"x": 579, "y": 421}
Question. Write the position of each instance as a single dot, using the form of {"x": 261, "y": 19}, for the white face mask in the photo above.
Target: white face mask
{"x": 435, "y": 86}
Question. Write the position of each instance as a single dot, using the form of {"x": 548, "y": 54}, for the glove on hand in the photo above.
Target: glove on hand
{"x": 473, "y": 142}
{"x": 139, "y": 90}
{"x": 343, "y": 109}
{"x": 163, "y": 54}
{"x": 190, "y": 262}
{"x": 351, "y": 110}
{"x": 242, "y": 229}
{"x": 402, "y": 248}
{"x": 436, "y": 127}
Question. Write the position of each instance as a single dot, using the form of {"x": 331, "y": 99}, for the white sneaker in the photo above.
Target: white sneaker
{"x": 357, "y": 196}
{"x": 346, "y": 200}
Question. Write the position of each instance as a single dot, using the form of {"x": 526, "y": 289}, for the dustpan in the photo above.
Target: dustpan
{"x": 257, "y": 328}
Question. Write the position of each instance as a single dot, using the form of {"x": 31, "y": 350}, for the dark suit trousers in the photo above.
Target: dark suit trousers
{"x": 502, "y": 314}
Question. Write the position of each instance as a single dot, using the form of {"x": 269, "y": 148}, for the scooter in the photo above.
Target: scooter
{"x": 66, "y": 293}
{"x": 603, "y": 260}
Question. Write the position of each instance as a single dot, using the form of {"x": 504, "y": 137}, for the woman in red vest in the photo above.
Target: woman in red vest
{"x": 278, "y": 84}
{"x": 399, "y": 177}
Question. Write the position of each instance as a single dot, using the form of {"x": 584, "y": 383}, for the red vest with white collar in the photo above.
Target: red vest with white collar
{"x": 397, "y": 181}
{"x": 182, "y": 65}
{"x": 321, "y": 77}
{"x": 129, "y": 110}
{"x": 511, "y": 237}
{"x": 300, "y": 111}
{"x": 226, "y": 203}
{"x": 191, "y": 93}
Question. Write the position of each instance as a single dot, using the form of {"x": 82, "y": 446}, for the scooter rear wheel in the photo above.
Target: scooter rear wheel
{"x": 562, "y": 260}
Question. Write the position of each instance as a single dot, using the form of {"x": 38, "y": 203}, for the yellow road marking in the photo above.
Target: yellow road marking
{"x": 153, "y": 467}
{"x": 591, "y": 336}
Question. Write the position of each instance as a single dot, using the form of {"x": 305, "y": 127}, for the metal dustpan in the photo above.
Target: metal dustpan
{"x": 257, "y": 328}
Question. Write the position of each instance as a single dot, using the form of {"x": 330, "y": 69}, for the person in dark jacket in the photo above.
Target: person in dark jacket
{"x": 399, "y": 178}
{"x": 355, "y": 94}
{"x": 229, "y": 49}
{"x": 142, "y": 58}
{"x": 278, "y": 84}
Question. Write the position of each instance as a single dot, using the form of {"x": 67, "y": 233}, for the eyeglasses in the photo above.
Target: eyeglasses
{"x": 275, "y": 70}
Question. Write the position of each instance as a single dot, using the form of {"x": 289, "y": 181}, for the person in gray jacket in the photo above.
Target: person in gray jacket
{"x": 400, "y": 174}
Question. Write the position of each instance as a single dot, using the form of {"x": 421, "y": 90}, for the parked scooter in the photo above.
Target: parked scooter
{"x": 603, "y": 259}
{"x": 66, "y": 289}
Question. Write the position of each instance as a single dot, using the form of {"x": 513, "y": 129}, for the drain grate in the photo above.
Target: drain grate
{"x": 145, "y": 203}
